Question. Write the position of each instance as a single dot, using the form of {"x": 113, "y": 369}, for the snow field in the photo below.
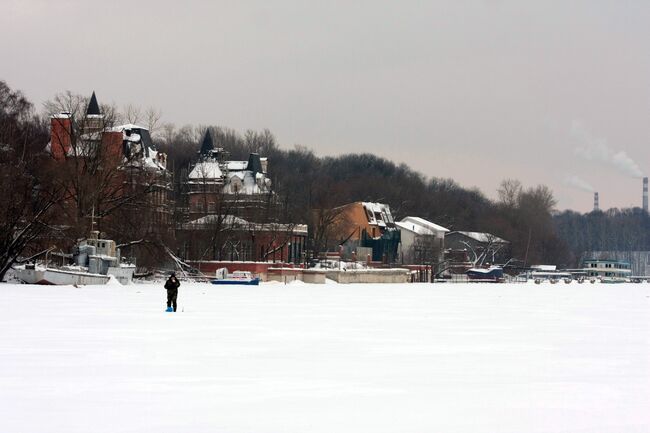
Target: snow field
{"x": 326, "y": 358}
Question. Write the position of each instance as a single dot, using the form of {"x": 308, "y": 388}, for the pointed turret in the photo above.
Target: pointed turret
{"x": 207, "y": 146}
{"x": 93, "y": 106}
{"x": 254, "y": 163}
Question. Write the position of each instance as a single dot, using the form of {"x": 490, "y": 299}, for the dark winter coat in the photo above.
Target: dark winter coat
{"x": 172, "y": 284}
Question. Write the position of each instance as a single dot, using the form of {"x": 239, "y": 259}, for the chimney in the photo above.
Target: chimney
{"x": 645, "y": 194}
{"x": 60, "y": 135}
{"x": 596, "y": 206}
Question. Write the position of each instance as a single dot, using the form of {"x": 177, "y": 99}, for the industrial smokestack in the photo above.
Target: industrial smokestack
{"x": 645, "y": 194}
{"x": 596, "y": 206}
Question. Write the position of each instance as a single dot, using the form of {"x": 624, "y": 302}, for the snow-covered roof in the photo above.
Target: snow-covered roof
{"x": 378, "y": 213}
{"x": 127, "y": 126}
{"x": 229, "y": 220}
{"x": 483, "y": 237}
{"x": 420, "y": 229}
{"x": 237, "y": 222}
{"x": 148, "y": 160}
{"x": 153, "y": 161}
{"x": 236, "y": 176}
{"x": 244, "y": 182}
{"x": 139, "y": 148}
{"x": 236, "y": 165}
{"x": 133, "y": 138}
{"x": 544, "y": 267}
{"x": 417, "y": 223}
{"x": 413, "y": 228}
{"x": 206, "y": 170}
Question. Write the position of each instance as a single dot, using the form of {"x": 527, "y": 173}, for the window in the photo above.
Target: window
{"x": 369, "y": 215}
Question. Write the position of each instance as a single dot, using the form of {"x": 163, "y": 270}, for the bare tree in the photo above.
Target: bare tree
{"x": 131, "y": 114}
{"x": 149, "y": 118}
{"x": 152, "y": 117}
{"x": 221, "y": 226}
{"x": 485, "y": 250}
{"x": 426, "y": 250}
{"x": 28, "y": 198}
{"x": 509, "y": 192}
{"x": 324, "y": 226}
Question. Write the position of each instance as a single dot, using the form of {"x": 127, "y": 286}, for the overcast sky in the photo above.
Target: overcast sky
{"x": 546, "y": 92}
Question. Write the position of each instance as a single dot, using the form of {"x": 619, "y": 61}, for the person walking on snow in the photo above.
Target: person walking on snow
{"x": 171, "y": 286}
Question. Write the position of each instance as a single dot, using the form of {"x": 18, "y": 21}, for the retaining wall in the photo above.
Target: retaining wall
{"x": 287, "y": 275}
{"x": 395, "y": 275}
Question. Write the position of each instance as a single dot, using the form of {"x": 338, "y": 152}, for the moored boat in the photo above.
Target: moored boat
{"x": 32, "y": 274}
{"x": 95, "y": 262}
{"x": 493, "y": 274}
{"x": 237, "y": 277}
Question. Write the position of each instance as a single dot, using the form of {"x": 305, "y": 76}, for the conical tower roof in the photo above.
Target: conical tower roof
{"x": 93, "y": 106}
{"x": 207, "y": 146}
{"x": 254, "y": 163}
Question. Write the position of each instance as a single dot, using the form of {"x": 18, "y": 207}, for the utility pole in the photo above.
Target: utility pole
{"x": 527, "y": 247}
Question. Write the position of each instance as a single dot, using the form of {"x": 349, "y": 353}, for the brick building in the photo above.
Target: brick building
{"x": 232, "y": 212}
{"x": 363, "y": 228}
{"x": 113, "y": 172}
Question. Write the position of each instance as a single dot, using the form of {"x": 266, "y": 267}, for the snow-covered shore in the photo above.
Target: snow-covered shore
{"x": 326, "y": 358}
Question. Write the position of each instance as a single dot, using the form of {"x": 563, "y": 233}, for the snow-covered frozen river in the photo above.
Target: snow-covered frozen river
{"x": 326, "y": 358}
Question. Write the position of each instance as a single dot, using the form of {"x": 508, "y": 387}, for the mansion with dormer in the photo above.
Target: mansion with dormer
{"x": 114, "y": 172}
{"x": 231, "y": 211}
{"x": 217, "y": 185}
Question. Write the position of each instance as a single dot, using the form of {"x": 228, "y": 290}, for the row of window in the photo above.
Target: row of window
{"x": 607, "y": 274}
{"x": 609, "y": 265}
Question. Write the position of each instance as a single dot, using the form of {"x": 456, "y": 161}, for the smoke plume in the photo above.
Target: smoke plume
{"x": 579, "y": 183}
{"x": 596, "y": 149}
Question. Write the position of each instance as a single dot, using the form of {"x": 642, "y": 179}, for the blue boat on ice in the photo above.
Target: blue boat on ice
{"x": 243, "y": 278}
{"x": 493, "y": 274}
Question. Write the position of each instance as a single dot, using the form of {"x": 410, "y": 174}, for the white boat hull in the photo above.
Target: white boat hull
{"x": 61, "y": 277}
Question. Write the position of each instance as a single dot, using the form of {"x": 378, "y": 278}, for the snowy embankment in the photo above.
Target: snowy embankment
{"x": 326, "y": 358}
